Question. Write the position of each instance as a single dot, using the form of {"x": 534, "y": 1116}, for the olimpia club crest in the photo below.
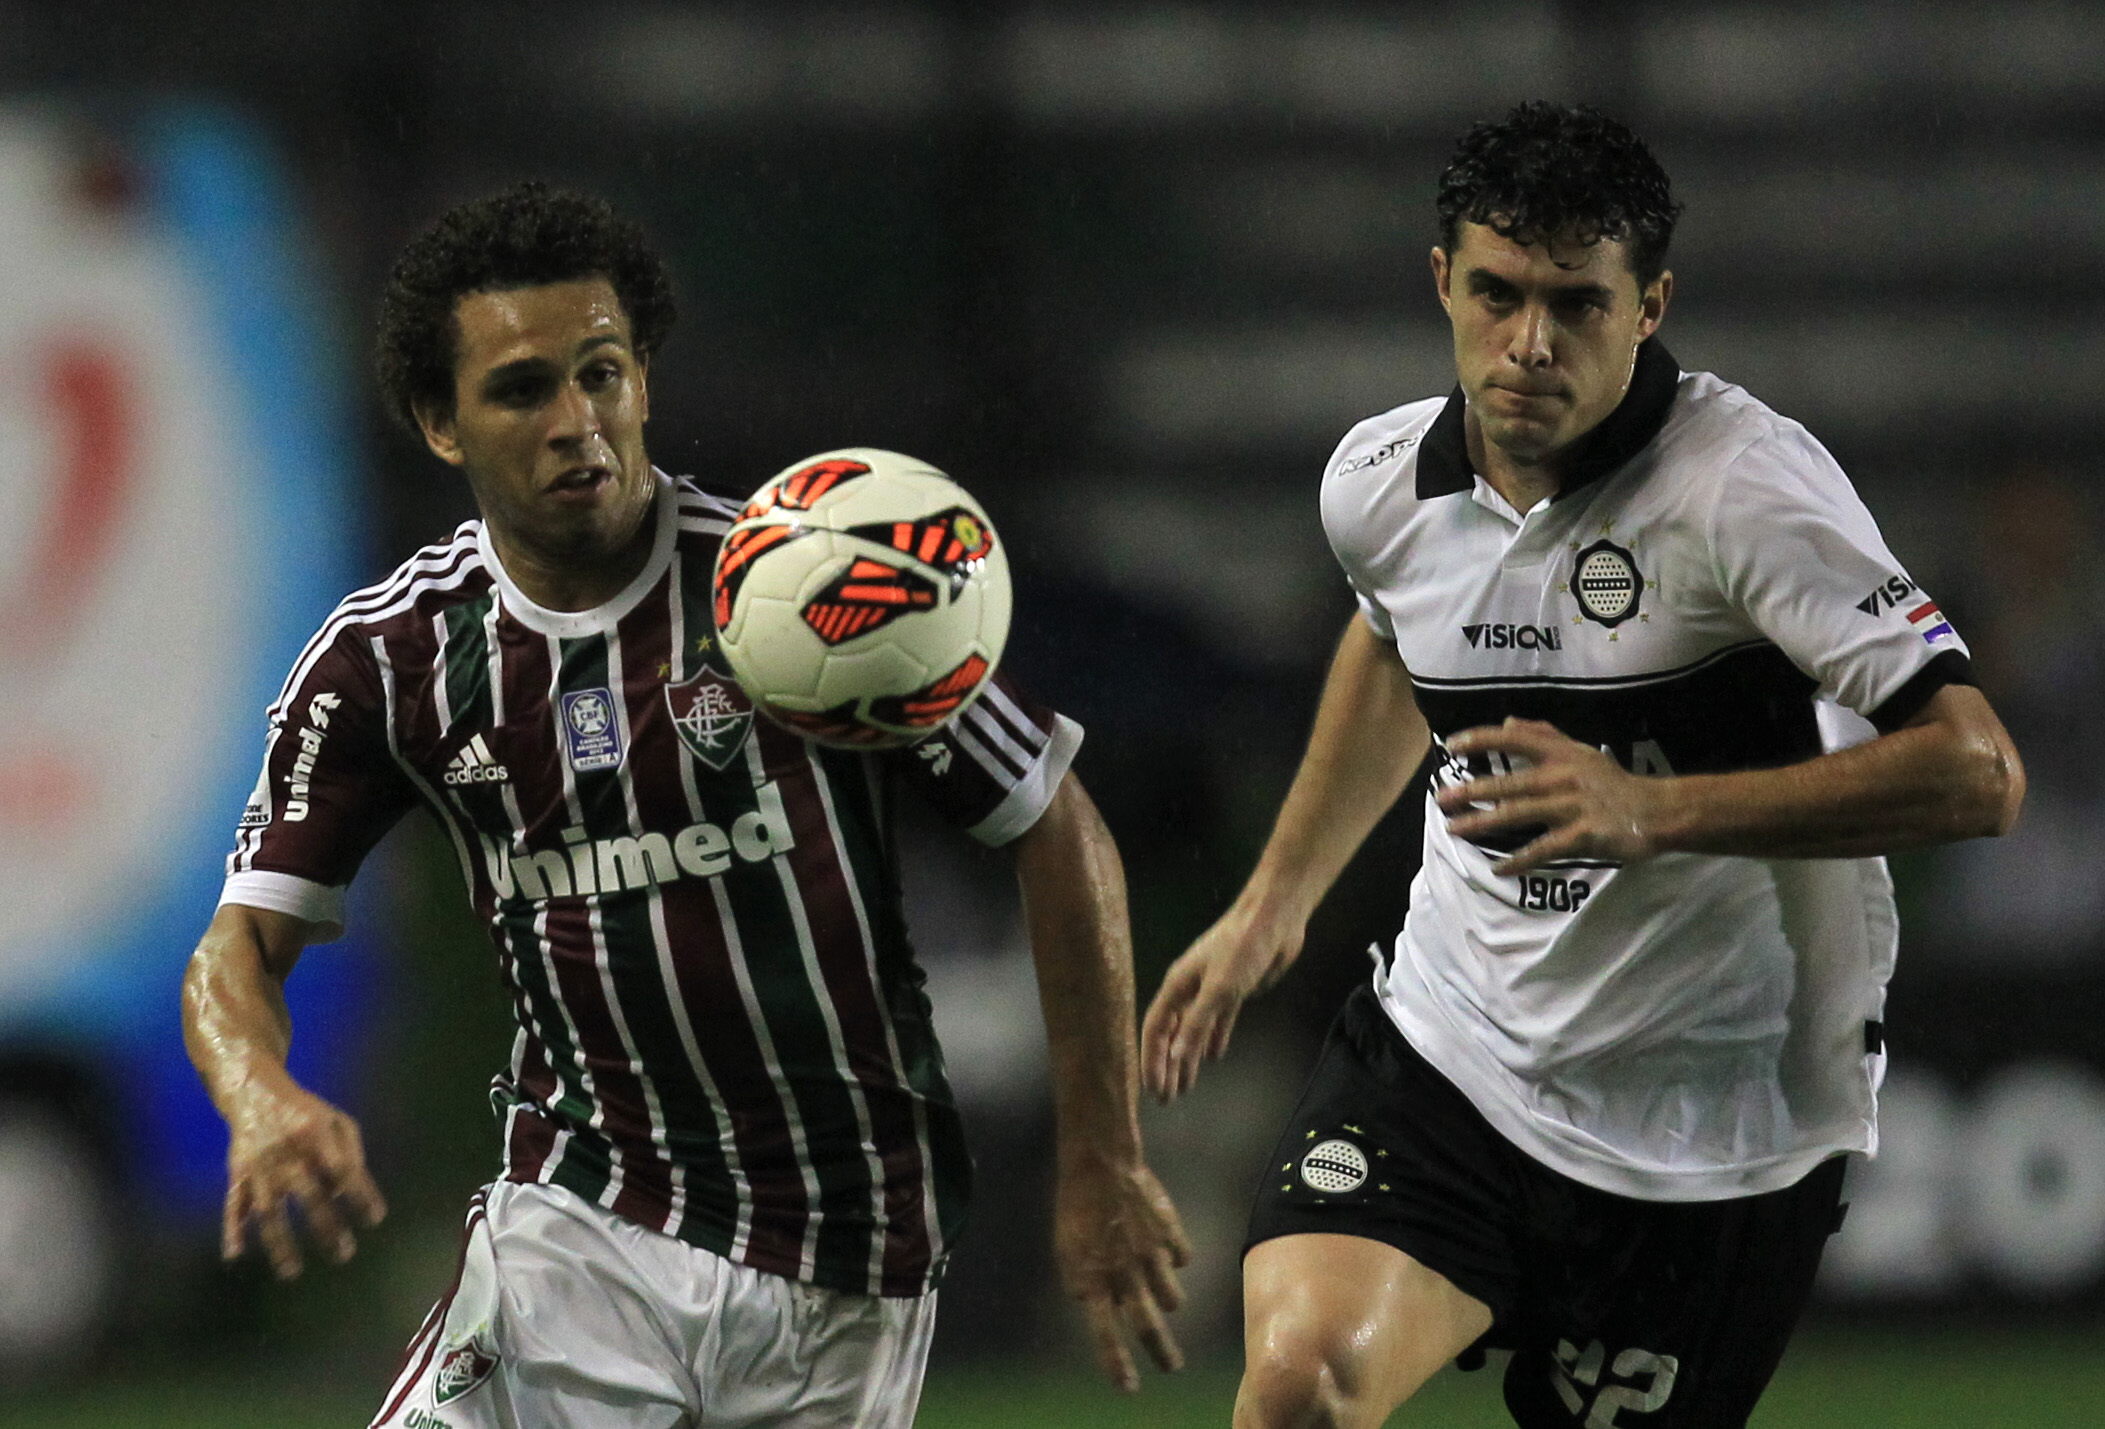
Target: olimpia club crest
{"x": 1607, "y": 583}
{"x": 712, "y": 715}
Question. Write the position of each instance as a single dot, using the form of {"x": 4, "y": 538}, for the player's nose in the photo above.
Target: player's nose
{"x": 1530, "y": 346}
{"x": 573, "y": 416}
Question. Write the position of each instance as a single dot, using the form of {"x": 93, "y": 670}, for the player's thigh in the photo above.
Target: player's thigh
{"x": 554, "y": 1321}
{"x": 1680, "y": 1318}
{"x": 783, "y": 1355}
{"x": 1344, "y": 1327}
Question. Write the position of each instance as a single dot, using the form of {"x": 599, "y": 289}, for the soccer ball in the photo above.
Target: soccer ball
{"x": 862, "y": 598}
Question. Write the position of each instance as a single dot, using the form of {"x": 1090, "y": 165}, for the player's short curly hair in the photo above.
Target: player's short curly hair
{"x": 528, "y": 235}
{"x": 1557, "y": 171}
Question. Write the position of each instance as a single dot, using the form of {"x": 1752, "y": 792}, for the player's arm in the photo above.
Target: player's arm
{"x": 1116, "y": 1234}
{"x": 288, "y": 1149}
{"x": 1949, "y": 772}
{"x": 1368, "y": 738}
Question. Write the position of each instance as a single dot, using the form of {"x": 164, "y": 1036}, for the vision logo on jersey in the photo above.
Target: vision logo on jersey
{"x": 1513, "y": 637}
{"x": 473, "y": 765}
{"x": 1930, "y": 624}
{"x": 1607, "y": 582}
{"x": 591, "y": 737}
{"x": 460, "y": 1371}
{"x": 712, "y": 715}
{"x": 1895, "y": 590}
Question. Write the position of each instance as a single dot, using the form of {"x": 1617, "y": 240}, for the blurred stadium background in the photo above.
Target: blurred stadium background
{"x": 1127, "y": 270}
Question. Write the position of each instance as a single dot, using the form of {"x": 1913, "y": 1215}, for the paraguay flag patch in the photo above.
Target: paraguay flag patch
{"x": 1929, "y": 622}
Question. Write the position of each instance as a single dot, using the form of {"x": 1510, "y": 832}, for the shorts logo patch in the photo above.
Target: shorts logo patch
{"x": 460, "y": 1371}
{"x": 1334, "y": 1167}
{"x": 591, "y": 737}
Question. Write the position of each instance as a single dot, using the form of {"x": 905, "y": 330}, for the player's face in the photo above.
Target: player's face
{"x": 547, "y": 421}
{"x": 1545, "y": 336}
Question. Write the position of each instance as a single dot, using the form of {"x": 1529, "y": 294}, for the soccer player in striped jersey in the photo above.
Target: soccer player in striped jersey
{"x": 1674, "y": 697}
{"x": 732, "y": 1170}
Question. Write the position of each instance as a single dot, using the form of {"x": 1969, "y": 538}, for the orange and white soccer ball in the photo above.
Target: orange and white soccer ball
{"x": 862, "y": 598}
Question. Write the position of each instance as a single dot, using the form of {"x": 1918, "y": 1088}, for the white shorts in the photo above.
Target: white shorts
{"x": 566, "y": 1316}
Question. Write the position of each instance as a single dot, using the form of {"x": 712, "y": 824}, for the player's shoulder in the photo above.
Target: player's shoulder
{"x": 1724, "y": 442}
{"x": 707, "y": 504}
{"x": 452, "y": 569}
{"x": 1379, "y": 447}
{"x": 1717, "y": 425}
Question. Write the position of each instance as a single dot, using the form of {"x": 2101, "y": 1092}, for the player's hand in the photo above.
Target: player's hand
{"x": 293, "y": 1152}
{"x": 1194, "y": 1010}
{"x": 1588, "y": 805}
{"x": 1119, "y": 1244}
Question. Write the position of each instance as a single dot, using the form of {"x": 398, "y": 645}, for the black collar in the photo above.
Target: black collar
{"x": 1443, "y": 457}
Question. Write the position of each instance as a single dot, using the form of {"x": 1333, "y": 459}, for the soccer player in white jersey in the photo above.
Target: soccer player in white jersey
{"x": 1675, "y": 698}
{"x": 732, "y": 1170}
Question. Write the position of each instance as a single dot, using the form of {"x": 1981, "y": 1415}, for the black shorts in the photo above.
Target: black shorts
{"x": 1639, "y": 1314}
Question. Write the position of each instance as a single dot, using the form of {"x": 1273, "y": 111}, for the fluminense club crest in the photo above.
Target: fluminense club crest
{"x": 712, "y": 715}
{"x": 460, "y": 1371}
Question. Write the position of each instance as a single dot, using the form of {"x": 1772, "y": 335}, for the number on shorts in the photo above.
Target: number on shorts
{"x": 1576, "y": 1370}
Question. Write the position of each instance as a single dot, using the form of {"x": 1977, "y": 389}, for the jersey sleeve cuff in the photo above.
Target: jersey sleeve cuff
{"x": 1947, "y": 667}
{"x": 287, "y": 893}
{"x": 1027, "y": 799}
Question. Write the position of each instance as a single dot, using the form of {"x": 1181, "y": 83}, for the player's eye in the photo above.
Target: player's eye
{"x": 600, "y": 375}
{"x": 519, "y": 392}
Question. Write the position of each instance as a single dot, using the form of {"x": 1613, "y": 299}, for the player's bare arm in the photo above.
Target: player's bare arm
{"x": 1949, "y": 773}
{"x": 1116, "y": 1235}
{"x": 1368, "y": 737}
{"x": 288, "y": 1151}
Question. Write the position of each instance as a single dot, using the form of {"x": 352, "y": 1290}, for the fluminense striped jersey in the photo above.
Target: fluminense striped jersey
{"x": 721, "y": 1028}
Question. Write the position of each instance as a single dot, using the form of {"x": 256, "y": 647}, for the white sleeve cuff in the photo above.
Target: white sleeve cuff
{"x": 287, "y": 893}
{"x": 1028, "y": 798}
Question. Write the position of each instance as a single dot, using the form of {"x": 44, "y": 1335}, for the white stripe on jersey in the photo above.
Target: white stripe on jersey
{"x": 439, "y": 695}
{"x": 493, "y": 650}
{"x": 994, "y": 700}
{"x": 1004, "y": 765}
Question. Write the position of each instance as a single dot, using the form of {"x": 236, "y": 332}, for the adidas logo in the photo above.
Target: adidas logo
{"x": 473, "y": 765}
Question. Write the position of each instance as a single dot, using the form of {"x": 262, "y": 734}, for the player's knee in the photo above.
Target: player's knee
{"x": 1301, "y": 1376}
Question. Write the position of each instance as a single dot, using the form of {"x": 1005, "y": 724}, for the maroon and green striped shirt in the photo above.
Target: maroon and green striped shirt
{"x": 721, "y": 1028}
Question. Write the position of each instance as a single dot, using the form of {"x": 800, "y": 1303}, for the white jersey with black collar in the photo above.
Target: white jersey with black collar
{"x": 1703, "y": 592}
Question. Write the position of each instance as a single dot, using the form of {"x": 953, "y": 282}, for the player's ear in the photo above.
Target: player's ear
{"x": 1439, "y": 261}
{"x": 436, "y": 423}
{"x": 643, "y": 386}
{"x": 1652, "y": 304}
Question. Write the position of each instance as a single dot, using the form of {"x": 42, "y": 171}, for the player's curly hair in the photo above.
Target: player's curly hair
{"x": 528, "y": 235}
{"x": 1547, "y": 171}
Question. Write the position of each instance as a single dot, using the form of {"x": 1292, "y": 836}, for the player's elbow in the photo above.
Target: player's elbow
{"x": 1994, "y": 784}
{"x": 2006, "y": 790}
